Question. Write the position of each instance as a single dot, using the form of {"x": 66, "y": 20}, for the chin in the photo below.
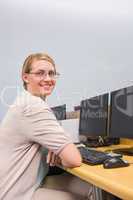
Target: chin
{"x": 46, "y": 93}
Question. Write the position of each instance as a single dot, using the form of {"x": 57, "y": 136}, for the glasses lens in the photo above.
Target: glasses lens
{"x": 51, "y": 74}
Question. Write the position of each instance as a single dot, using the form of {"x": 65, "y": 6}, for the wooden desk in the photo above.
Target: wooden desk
{"x": 118, "y": 181}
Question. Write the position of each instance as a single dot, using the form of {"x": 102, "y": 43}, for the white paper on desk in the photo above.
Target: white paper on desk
{"x": 72, "y": 127}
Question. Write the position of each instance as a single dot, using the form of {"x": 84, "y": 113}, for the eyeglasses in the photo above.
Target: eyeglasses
{"x": 43, "y": 74}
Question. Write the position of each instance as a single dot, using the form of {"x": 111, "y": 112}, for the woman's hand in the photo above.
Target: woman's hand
{"x": 53, "y": 159}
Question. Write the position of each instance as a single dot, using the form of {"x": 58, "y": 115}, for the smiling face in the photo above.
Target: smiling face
{"x": 38, "y": 80}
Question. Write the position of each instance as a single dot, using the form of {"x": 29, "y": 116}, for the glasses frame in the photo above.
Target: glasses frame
{"x": 44, "y": 74}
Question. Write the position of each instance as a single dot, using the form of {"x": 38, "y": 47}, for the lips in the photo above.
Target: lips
{"x": 47, "y": 84}
{"x": 47, "y": 87}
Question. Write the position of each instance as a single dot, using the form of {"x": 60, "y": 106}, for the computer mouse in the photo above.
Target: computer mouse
{"x": 115, "y": 163}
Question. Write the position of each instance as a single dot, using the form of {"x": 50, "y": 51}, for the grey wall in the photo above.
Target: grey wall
{"x": 91, "y": 41}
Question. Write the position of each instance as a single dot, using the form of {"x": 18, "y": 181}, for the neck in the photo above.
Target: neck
{"x": 36, "y": 94}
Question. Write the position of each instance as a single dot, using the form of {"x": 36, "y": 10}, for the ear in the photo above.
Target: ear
{"x": 25, "y": 77}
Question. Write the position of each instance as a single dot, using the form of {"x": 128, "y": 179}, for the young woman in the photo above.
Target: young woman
{"x": 29, "y": 125}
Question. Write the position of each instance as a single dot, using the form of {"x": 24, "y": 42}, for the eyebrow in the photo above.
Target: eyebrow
{"x": 41, "y": 70}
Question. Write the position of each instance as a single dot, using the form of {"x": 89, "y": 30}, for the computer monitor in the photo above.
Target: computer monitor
{"x": 93, "y": 116}
{"x": 121, "y": 113}
{"x": 60, "y": 111}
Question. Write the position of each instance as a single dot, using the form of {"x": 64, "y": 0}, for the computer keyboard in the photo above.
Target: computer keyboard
{"x": 94, "y": 157}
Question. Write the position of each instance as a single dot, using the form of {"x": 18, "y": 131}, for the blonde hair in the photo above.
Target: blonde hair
{"x": 29, "y": 60}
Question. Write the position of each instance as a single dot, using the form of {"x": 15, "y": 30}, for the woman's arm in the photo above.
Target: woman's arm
{"x": 68, "y": 157}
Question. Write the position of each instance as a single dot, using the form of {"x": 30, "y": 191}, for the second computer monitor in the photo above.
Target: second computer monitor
{"x": 60, "y": 112}
{"x": 121, "y": 119}
{"x": 93, "y": 116}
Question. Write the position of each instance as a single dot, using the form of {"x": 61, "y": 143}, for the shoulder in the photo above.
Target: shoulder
{"x": 31, "y": 104}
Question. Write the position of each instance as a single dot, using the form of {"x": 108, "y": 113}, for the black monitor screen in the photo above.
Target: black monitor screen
{"x": 60, "y": 112}
{"x": 93, "y": 116}
{"x": 121, "y": 118}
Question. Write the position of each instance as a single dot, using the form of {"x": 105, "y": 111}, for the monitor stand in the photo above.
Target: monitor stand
{"x": 101, "y": 141}
{"x": 96, "y": 141}
{"x": 124, "y": 151}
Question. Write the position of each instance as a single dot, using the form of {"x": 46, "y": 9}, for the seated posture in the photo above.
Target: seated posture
{"x": 29, "y": 125}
